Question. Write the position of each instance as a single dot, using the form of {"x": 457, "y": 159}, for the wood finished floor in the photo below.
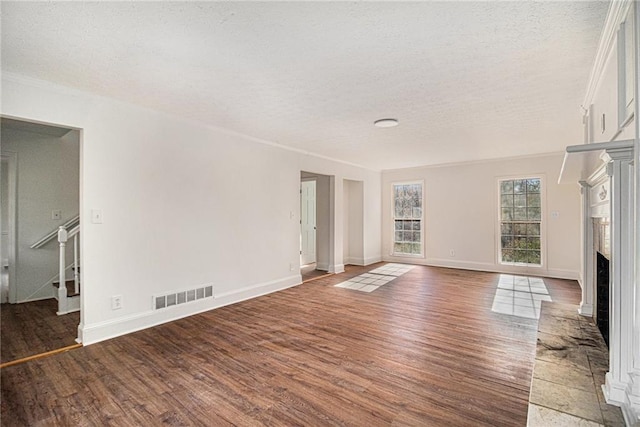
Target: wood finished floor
{"x": 33, "y": 327}
{"x": 422, "y": 350}
{"x": 310, "y": 272}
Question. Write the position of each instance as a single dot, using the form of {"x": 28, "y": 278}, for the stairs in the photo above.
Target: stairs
{"x": 72, "y": 302}
{"x": 70, "y": 288}
{"x": 65, "y": 290}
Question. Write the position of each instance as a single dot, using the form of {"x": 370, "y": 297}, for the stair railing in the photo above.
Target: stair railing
{"x": 63, "y": 237}
{"x": 54, "y": 233}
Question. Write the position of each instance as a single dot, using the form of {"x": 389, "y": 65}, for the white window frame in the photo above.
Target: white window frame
{"x": 543, "y": 222}
{"x": 393, "y": 220}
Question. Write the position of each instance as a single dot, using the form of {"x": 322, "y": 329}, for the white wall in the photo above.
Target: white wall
{"x": 372, "y": 212}
{"x": 323, "y": 222}
{"x": 183, "y": 205}
{"x": 461, "y": 208}
{"x": 346, "y": 218}
{"x": 48, "y": 179}
{"x": 353, "y": 234}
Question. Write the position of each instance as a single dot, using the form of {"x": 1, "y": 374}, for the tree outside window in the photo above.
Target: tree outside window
{"x": 407, "y": 219}
{"x": 520, "y": 221}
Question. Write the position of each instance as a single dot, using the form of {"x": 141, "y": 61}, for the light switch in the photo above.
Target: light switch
{"x": 56, "y": 214}
{"x": 96, "y": 216}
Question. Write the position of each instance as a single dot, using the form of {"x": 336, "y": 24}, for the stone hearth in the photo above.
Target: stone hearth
{"x": 571, "y": 362}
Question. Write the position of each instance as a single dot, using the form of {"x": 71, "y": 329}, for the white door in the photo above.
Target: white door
{"x": 307, "y": 222}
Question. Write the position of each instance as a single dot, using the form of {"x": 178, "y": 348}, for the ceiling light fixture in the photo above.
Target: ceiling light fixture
{"x": 386, "y": 123}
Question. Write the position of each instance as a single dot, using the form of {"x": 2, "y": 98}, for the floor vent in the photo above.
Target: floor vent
{"x": 182, "y": 297}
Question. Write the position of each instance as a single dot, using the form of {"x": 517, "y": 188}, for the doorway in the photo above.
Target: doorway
{"x": 40, "y": 191}
{"x": 316, "y": 192}
{"x": 308, "y": 226}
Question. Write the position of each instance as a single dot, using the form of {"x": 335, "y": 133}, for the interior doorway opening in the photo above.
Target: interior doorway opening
{"x": 40, "y": 193}
{"x": 315, "y": 224}
{"x": 308, "y": 225}
{"x": 7, "y": 221}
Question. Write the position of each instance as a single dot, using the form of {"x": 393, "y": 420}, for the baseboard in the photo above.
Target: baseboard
{"x": 631, "y": 406}
{"x": 462, "y": 265}
{"x": 73, "y": 305}
{"x": 354, "y": 261}
{"x": 372, "y": 260}
{"x": 586, "y": 310}
{"x": 631, "y": 416}
{"x": 338, "y": 268}
{"x": 62, "y": 313}
{"x": 487, "y": 267}
{"x": 614, "y": 392}
{"x": 563, "y": 274}
{"x": 322, "y": 266}
{"x": 93, "y": 333}
{"x": 361, "y": 260}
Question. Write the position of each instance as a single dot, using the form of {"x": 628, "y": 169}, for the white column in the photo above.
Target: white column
{"x": 632, "y": 404}
{"x": 621, "y": 294}
{"x": 586, "y": 305}
{"x": 336, "y": 263}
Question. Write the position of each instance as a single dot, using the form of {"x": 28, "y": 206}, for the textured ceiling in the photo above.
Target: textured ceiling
{"x": 466, "y": 80}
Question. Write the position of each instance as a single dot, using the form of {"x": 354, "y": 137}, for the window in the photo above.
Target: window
{"x": 407, "y": 219}
{"x": 520, "y": 221}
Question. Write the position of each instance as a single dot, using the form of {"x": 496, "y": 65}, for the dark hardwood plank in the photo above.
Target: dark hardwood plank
{"x": 33, "y": 327}
{"x": 424, "y": 349}
{"x": 309, "y": 272}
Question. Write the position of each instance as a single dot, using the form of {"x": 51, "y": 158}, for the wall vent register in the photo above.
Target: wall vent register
{"x": 182, "y": 297}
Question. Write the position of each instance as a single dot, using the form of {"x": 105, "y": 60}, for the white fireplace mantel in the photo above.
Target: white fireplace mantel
{"x": 574, "y": 166}
{"x": 612, "y": 184}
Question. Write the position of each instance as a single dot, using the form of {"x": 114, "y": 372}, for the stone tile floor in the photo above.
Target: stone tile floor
{"x": 571, "y": 362}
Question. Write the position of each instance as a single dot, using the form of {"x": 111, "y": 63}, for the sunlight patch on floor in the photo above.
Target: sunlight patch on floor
{"x": 520, "y": 296}
{"x": 369, "y": 282}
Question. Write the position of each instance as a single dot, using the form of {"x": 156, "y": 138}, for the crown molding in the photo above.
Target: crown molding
{"x": 48, "y": 85}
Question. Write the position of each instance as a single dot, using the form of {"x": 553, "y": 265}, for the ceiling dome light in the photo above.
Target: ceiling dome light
{"x": 386, "y": 123}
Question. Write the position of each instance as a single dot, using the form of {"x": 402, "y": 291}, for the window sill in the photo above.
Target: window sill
{"x": 521, "y": 264}
{"x": 400, "y": 255}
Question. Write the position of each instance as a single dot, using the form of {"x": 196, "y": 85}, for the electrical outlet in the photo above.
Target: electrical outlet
{"x": 290, "y": 266}
{"x": 452, "y": 252}
{"x": 116, "y": 302}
